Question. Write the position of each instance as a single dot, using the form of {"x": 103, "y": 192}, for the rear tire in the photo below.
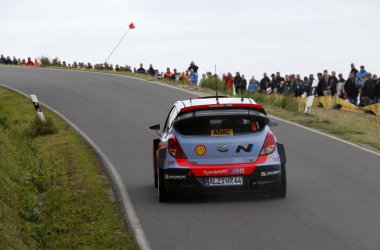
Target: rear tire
{"x": 280, "y": 192}
{"x": 155, "y": 167}
{"x": 155, "y": 178}
{"x": 163, "y": 195}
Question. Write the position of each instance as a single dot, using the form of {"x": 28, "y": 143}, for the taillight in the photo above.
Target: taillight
{"x": 174, "y": 148}
{"x": 269, "y": 144}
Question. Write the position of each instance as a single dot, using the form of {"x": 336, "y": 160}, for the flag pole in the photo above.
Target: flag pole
{"x": 117, "y": 45}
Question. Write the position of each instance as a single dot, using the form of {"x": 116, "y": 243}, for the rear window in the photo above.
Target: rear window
{"x": 219, "y": 125}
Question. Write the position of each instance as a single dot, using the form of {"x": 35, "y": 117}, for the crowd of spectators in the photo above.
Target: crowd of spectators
{"x": 360, "y": 88}
{"x": 15, "y": 61}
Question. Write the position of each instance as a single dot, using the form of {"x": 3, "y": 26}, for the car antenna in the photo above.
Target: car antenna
{"x": 242, "y": 97}
{"x": 216, "y": 87}
{"x": 191, "y": 102}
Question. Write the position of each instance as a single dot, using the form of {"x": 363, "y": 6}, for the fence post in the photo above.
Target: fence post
{"x": 310, "y": 99}
{"x": 38, "y": 108}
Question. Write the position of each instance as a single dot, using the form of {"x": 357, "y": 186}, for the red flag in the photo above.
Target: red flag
{"x": 132, "y": 26}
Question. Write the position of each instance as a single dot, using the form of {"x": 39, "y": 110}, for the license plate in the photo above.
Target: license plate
{"x": 224, "y": 181}
{"x": 222, "y": 132}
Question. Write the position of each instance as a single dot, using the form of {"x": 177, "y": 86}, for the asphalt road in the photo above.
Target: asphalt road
{"x": 333, "y": 199}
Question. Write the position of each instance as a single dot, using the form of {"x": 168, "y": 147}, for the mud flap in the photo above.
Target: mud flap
{"x": 161, "y": 157}
{"x": 281, "y": 152}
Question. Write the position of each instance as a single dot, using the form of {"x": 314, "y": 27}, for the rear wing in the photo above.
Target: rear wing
{"x": 255, "y": 107}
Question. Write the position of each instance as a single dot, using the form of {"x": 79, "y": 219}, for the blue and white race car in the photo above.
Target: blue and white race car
{"x": 217, "y": 144}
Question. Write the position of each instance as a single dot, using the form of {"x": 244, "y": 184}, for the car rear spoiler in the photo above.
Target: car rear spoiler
{"x": 242, "y": 112}
{"x": 256, "y": 107}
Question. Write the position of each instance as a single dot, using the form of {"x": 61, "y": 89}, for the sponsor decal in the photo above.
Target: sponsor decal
{"x": 222, "y": 132}
{"x": 175, "y": 177}
{"x": 215, "y": 172}
{"x": 170, "y": 162}
{"x": 200, "y": 150}
{"x": 237, "y": 171}
{"x": 274, "y": 158}
{"x": 223, "y": 148}
{"x": 270, "y": 173}
{"x": 245, "y": 149}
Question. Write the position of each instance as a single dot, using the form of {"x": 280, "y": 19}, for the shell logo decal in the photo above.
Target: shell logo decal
{"x": 200, "y": 150}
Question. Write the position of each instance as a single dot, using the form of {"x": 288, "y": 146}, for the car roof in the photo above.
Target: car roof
{"x": 212, "y": 101}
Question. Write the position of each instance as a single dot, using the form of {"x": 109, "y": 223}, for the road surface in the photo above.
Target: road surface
{"x": 333, "y": 199}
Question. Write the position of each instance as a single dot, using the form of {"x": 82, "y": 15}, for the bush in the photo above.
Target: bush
{"x": 210, "y": 84}
{"x": 45, "y": 61}
{"x": 56, "y": 62}
{"x": 37, "y": 128}
{"x": 288, "y": 102}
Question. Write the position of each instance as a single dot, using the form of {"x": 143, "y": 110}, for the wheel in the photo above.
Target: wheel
{"x": 280, "y": 192}
{"x": 155, "y": 179}
{"x": 163, "y": 195}
{"x": 155, "y": 166}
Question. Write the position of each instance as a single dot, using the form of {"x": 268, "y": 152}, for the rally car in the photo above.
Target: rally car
{"x": 217, "y": 144}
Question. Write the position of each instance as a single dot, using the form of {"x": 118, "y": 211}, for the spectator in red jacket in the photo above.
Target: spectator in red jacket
{"x": 29, "y": 62}
{"x": 168, "y": 74}
{"x": 229, "y": 80}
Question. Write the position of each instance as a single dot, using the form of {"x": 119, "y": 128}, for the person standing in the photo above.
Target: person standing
{"x": 193, "y": 77}
{"x": 264, "y": 83}
{"x": 193, "y": 67}
{"x": 2, "y": 59}
{"x": 353, "y": 69}
{"x": 360, "y": 76}
{"x": 350, "y": 89}
{"x": 141, "y": 70}
{"x": 168, "y": 74}
{"x": 368, "y": 90}
{"x": 377, "y": 89}
{"x": 299, "y": 88}
{"x": 185, "y": 77}
{"x": 326, "y": 87}
{"x": 243, "y": 86}
{"x": 333, "y": 82}
{"x": 321, "y": 85}
{"x": 151, "y": 71}
{"x": 253, "y": 85}
{"x": 237, "y": 82}
{"x": 279, "y": 83}
{"x": 229, "y": 80}
{"x": 273, "y": 84}
{"x": 340, "y": 87}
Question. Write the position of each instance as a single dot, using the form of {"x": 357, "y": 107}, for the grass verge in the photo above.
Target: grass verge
{"x": 53, "y": 192}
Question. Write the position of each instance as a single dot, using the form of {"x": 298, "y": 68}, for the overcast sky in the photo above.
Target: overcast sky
{"x": 250, "y": 36}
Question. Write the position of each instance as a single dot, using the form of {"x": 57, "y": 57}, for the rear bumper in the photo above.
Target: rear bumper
{"x": 262, "y": 178}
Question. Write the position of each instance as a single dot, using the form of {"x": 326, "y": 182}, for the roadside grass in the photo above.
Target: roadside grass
{"x": 363, "y": 129}
{"x": 53, "y": 191}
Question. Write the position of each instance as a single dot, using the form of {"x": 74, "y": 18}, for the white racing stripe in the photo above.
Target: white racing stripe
{"x": 119, "y": 188}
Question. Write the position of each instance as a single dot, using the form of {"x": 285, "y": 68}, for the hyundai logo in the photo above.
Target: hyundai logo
{"x": 223, "y": 148}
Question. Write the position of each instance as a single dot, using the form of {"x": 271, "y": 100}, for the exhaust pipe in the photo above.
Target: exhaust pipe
{"x": 253, "y": 184}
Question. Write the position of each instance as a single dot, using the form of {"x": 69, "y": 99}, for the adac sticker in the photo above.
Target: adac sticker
{"x": 200, "y": 150}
